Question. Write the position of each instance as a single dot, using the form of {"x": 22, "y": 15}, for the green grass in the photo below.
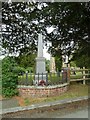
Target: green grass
{"x": 77, "y": 76}
{"x": 26, "y": 101}
{"x": 22, "y": 79}
{"x": 54, "y": 79}
{"x": 75, "y": 90}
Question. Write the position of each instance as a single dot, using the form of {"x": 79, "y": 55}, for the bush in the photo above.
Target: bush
{"x": 30, "y": 69}
{"x": 19, "y": 70}
{"x": 9, "y": 77}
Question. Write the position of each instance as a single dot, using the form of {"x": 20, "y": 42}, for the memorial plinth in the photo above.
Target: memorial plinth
{"x": 52, "y": 65}
{"x": 40, "y": 63}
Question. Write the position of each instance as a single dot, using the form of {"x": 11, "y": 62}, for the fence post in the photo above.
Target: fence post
{"x": 50, "y": 78}
{"x": 42, "y": 76}
{"x": 46, "y": 78}
{"x": 38, "y": 78}
{"x": 58, "y": 75}
{"x": 34, "y": 79}
{"x": 66, "y": 75}
{"x": 26, "y": 77}
{"x": 84, "y": 82}
{"x": 31, "y": 82}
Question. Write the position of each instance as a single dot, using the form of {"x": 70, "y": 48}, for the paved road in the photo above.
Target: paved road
{"x": 77, "y": 114}
{"x": 56, "y": 114}
{"x": 81, "y": 112}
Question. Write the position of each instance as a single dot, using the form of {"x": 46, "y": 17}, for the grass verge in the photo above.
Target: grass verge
{"x": 74, "y": 91}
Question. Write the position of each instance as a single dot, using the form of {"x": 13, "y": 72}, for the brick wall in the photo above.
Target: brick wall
{"x": 28, "y": 91}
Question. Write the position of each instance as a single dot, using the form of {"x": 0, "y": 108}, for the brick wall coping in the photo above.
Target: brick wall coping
{"x": 44, "y": 87}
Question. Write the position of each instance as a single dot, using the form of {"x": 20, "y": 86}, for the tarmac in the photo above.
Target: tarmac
{"x": 11, "y": 105}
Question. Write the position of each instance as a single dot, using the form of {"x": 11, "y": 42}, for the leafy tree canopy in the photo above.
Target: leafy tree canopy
{"x": 26, "y": 61}
{"x": 81, "y": 60}
{"x": 23, "y": 21}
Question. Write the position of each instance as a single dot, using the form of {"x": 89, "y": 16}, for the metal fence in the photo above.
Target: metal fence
{"x": 56, "y": 78}
{"x": 51, "y": 78}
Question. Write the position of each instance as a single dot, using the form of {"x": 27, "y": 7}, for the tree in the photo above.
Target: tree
{"x": 26, "y": 60}
{"x": 47, "y": 65}
{"x": 72, "y": 28}
{"x": 58, "y": 63}
{"x": 82, "y": 60}
{"x": 73, "y": 64}
{"x": 17, "y": 31}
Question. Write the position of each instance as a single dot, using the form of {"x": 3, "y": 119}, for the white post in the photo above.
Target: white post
{"x": 40, "y": 62}
{"x": 84, "y": 76}
{"x": 40, "y": 46}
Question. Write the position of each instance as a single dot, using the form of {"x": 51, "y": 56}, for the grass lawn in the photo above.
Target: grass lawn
{"x": 77, "y": 76}
{"x": 75, "y": 90}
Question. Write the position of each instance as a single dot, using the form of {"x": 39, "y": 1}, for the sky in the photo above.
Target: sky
{"x": 46, "y": 54}
{"x": 45, "y": 50}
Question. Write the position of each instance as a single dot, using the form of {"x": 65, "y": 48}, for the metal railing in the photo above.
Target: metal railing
{"x": 51, "y": 78}
{"x": 55, "y": 78}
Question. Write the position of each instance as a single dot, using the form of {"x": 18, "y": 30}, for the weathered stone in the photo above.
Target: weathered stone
{"x": 40, "y": 63}
{"x": 52, "y": 65}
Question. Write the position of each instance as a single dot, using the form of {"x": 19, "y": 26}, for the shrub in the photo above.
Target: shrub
{"x": 9, "y": 77}
{"x": 19, "y": 70}
{"x": 30, "y": 69}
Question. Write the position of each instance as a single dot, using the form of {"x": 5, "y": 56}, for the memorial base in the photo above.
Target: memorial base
{"x": 40, "y": 79}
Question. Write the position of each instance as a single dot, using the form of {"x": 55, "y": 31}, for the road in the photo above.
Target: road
{"x": 77, "y": 114}
{"x": 83, "y": 113}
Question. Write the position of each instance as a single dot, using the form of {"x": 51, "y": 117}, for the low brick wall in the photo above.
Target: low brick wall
{"x": 45, "y": 91}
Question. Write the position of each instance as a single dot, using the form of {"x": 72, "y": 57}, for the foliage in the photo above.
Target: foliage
{"x": 72, "y": 27}
{"x": 83, "y": 61}
{"x": 47, "y": 65}
{"x": 80, "y": 57}
{"x": 24, "y": 20}
{"x": 26, "y": 101}
{"x": 19, "y": 39}
{"x": 72, "y": 64}
{"x": 30, "y": 69}
{"x": 26, "y": 61}
{"x": 19, "y": 70}
{"x": 58, "y": 62}
{"x": 0, "y": 77}
{"x": 9, "y": 77}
